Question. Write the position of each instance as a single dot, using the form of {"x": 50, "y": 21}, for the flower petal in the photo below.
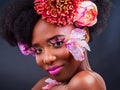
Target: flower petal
{"x": 23, "y": 48}
{"x": 50, "y": 84}
{"x": 77, "y": 44}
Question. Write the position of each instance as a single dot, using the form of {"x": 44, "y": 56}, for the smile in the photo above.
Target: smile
{"x": 55, "y": 70}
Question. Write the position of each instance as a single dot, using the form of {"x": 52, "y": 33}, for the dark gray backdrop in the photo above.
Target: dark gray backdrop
{"x": 18, "y": 72}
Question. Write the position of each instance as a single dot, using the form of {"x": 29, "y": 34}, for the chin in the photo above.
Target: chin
{"x": 62, "y": 78}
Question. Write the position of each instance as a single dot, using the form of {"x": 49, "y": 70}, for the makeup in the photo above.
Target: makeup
{"x": 55, "y": 70}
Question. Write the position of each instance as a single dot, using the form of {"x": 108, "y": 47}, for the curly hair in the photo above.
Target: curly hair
{"x": 19, "y": 17}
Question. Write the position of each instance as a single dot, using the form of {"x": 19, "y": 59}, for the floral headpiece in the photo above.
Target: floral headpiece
{"x": 63, "y": 12}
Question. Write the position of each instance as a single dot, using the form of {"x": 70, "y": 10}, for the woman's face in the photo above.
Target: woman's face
{"x": 50, "y": 50}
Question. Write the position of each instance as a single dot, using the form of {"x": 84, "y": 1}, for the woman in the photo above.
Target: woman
{"x": 56, "y": 33}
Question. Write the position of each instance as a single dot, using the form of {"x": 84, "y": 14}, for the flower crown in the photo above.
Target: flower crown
{"x": 63, "y": 12}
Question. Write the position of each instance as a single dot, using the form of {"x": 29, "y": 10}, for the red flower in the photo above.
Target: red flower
{"x": 60, "y": 12}
{"x": 63, "y": 12}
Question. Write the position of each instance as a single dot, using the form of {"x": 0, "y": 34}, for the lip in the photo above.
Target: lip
{"x": 54, "y": 70}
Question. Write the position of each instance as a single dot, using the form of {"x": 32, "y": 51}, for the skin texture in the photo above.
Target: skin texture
{"x": 74, "y": 75}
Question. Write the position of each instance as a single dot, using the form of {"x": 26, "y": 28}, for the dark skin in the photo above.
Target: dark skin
{"x": 74, "y": 75}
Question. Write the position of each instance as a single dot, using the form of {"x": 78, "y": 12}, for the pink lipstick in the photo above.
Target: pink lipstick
{"x": 55, "y": 70}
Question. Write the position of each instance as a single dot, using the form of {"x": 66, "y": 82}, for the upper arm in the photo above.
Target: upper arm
{"x": 86, "y": 80}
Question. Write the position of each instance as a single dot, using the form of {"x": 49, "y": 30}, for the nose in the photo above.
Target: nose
{"x": 48, "y": 57}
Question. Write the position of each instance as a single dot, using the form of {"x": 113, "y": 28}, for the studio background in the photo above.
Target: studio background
{"x": 18, "y": 72}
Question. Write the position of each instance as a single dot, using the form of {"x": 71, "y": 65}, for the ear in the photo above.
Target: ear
{"x": 87, "y": 34}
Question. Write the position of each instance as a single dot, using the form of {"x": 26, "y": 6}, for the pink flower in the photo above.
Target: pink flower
{"x": 23, "y": 48}
{"x": 77, "y": 44}
{"x": 50, "y": 84}
{"x": 87, "y": 14}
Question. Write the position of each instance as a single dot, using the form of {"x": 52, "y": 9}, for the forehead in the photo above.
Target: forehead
{"x": 45, "y": 30}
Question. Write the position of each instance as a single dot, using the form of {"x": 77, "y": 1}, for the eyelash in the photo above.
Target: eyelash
{"x": 35, "y": 51}
{"x": 57, "y": 44}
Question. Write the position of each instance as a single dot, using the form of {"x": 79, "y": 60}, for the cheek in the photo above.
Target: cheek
{"x": 63, "y": 53}
{"x": 38, "y": 61}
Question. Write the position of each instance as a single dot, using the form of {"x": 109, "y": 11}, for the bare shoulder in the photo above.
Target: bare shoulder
{"x": 40, "y": 84}
{"x": 87, "y": 80}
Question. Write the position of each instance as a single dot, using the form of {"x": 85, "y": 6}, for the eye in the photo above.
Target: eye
{"x": 38, "y": 51}
{"x": 35, "y": 51}
{"x": 58, "y": 44}
{"x": 57, "y": 41}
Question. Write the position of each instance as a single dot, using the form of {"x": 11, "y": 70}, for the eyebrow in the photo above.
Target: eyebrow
{"x": 52, "y": 38}
{"x": 35, "y": 45}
